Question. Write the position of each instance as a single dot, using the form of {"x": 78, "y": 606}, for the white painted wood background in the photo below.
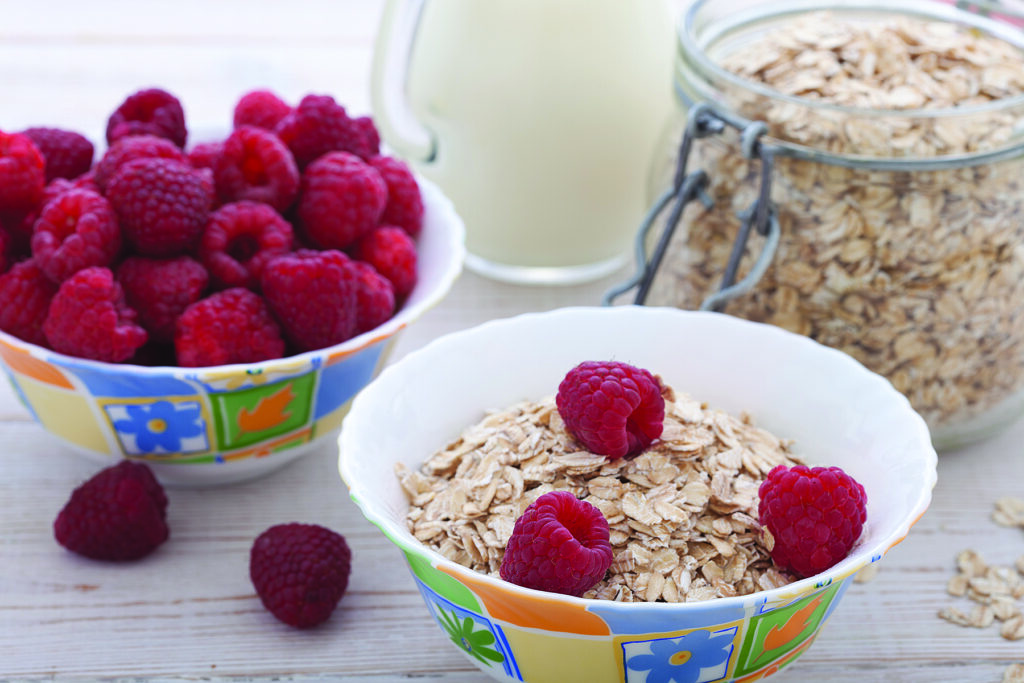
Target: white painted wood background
{"x": 189, "y": 611}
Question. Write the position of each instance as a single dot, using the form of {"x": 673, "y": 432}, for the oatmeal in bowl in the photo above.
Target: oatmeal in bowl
{"x": 489, "y": 452}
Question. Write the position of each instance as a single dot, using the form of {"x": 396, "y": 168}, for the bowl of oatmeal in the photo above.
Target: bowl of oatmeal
{"x": 692, "y": 591}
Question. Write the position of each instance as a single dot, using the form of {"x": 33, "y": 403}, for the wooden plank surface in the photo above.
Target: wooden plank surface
{"x": 189, "y": 611}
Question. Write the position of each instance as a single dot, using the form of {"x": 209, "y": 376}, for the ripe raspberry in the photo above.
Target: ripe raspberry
{"x": 405, "y": 204}
{"x": 160, "y": 290}
{"x": 67, "y": 153}
{"x": 369, "y": 139}
{"x": 300, "y": 572}
{"x": 559, "y": 544}
{"x": 162, "y": 205}
{"x": 392, "y": 253}
{"x": 255, "y": 165}
{"x": 130, "y": 149}
{"x": 313, "y": 295}
{"x": 342, "y": 199}
{"x": 612, "y": 408}
{"x": 120, "y": 514}
{"x": 76, "y": 230}
{"x": 814, "y": 514}
{"x": 233, "y": 326}
{"x": 205, "y": 154}
{"x": 239, "y": 239}
{"x": 89, "y": 318}
{"x": 148, "y": 112}
{"x": 260, "y": 108}
{"x": 25, "y": 295}
{"x": 5, "y": 241}
{"x": 22, "y": 173}
{"x": 320, "y": 125}
{"x": 375, "y": 297}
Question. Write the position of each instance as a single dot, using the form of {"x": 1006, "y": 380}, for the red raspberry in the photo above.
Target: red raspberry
{"x": 255, "y": 165}
{"x": 375, "y": 297}
{"x": 130, "y": 149}
{"x": 240, "y": 239}
{"x": 5, "y": 243}
{"x": 120, "y": 514}
{"x": 342, "y": 199}
{"x": 392, "y": 253}
{"x": 260, "y": 108}
{"x": 369, "y": 139}
{"x": 814, "y": 515}
{"x": 148, "y": 112}
{"x": 613, "y": 409}
{"x": 313, "y": 295}
{"x": 162, "y": 205}
{"x": 233, "y": 326}
{"x": 89, "y": 318}
{"x": 160, "y": 290}
{"x": 67, "y": 154}
{"x": 25, "y": 295}
{"x": 405, "y": 204}
{"x": 76, "y": 230}
{"x": 205, "y": 154}
{"x": 320, "y": 125}
{"x": 300, "y": 572}
{"x": 22, "y": 173}
{"x": 559, "y": 544}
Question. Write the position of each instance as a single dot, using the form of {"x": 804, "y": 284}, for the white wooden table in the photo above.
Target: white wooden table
{"x": 189, "y": 610}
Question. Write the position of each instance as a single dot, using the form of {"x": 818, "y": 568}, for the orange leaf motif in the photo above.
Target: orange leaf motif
{"x": 793, "y": 628}
{"x": 269, "y": 412}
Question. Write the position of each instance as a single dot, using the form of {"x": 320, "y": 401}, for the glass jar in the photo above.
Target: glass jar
{"x": 894, "y": 235}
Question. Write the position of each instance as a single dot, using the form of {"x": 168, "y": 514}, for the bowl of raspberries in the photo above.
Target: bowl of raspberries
{"x": 634, "y": 493}
{"x": 211, "y": 307}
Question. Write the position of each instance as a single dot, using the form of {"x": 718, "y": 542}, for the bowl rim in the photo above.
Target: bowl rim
{"x": 858, "y": 558}
{"x": 452, "y": 235}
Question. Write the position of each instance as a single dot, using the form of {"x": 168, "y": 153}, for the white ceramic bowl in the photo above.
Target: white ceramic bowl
{"x": 836, "y": 411}
{"x": 209, "y": 426}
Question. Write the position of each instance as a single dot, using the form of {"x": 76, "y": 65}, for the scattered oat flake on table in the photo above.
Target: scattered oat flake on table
{"x": 1009, "y": 512}
{"x": 682, "y": 515}
{"x": 1014, "y": 674}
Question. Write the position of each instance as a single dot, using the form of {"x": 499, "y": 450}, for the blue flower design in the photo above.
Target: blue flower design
{"x": 680, "y": 660}
{"x": 161, "y": 425}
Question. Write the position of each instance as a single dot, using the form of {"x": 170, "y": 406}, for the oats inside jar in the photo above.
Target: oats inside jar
{"x": 682, "y": 515}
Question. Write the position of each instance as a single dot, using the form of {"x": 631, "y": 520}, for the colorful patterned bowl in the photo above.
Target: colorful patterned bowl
{"x": 221, "y": 424}
{"x": 837, "y": 412}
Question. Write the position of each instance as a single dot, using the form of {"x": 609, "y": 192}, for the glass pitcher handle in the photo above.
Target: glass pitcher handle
{"x": 391, "y": 55}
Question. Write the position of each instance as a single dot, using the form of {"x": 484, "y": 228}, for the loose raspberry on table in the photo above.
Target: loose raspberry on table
{"x": 405, "y": 203}
{"x": 160, "y": 290}
{"x": 313, "y": 295}
{"x": 25, "y": 295}
{"x": 375, "y": 297}
{"x": 232, "y": 326}
{"x": 130, "y": 149}
{"x": 392, "y": 253}
{"x": 148, "y": 112}
{"x": 260, "y": 108}
{"x": 119, "y": 514}
{"x": 613, "y": 409}
{"x": 255, "y": 165}
{"x": 559, "y": 544}
{"x": 76, "y": 230}
{"x": 22, "y": 173}
{"x": 814, "y": 516}
{"x": 205, "y": 154}
{"x": 342, "y": 198}
{"x": 162, "y": 205}
{"x": 89, "y": 318}
{"x": 239, "y": 239}
{"x": 320, "y": 125}
{"x": 67, "y": 154}
{"x": 300, "y": 572}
